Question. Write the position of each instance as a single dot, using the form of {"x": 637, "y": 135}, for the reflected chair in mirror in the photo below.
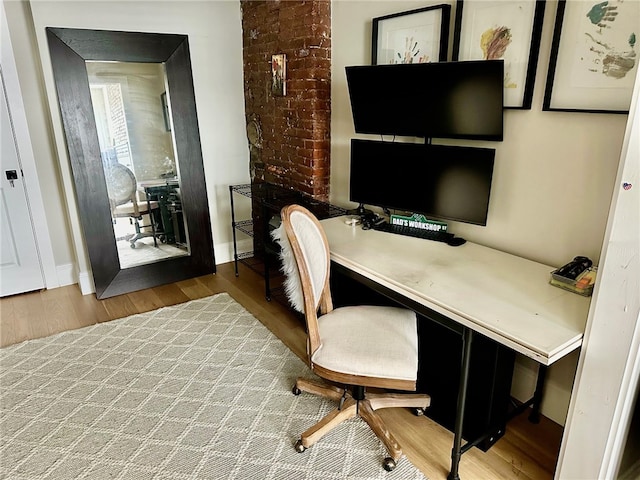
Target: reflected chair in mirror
{"x": 351, "y": 348}
{"x": 122, "y": 189}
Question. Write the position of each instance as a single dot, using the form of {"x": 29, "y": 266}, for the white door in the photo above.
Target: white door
{"x": 20, "y": 269}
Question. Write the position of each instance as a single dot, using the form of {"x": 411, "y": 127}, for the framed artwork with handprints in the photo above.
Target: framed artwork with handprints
{"x": 594, "y": 56}
{"x": 415, "y": 36}
{"x": 498, "y": 30}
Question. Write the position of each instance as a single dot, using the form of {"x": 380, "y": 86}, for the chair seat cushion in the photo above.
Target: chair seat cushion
{"x": 370, "y": 341}
{"x": 126, "y": 209}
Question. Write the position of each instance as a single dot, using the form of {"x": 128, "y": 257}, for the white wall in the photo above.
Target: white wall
{"x": 215, "y": 42}
{"x": 553, "y": 177}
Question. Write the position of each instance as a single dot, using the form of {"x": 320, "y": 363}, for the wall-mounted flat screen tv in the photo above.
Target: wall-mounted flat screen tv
{"x": 430, "y": 100}
{"x": 439, "y": 181}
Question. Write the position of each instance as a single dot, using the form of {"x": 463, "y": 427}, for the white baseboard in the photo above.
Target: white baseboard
{"x": 224, "y": 251}
{"x": 85, "y": 282}
{"x": 66, "y": 274}
{"x": 69, "y": 275}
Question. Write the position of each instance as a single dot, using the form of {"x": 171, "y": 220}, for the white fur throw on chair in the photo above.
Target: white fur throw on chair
{"x": 292, "y": 285}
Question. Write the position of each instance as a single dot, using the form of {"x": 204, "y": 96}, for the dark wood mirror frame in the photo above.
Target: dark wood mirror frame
{"x": 69, "y": 49}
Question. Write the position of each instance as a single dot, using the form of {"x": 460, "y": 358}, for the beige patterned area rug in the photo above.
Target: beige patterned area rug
{"x": 200, "y": 390}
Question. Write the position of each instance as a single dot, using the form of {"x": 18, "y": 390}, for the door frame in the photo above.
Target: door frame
{"x": 26, "y": 157}
{"x": 606, "y": 379}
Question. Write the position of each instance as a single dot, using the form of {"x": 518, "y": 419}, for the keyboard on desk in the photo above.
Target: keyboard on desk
{"x": 414, "y": 232}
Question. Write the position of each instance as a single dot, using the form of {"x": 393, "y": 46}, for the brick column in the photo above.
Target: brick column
{"x": 295, "y": 128}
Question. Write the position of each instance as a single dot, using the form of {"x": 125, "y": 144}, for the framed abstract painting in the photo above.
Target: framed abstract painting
{"x": 415, "y": 36}
{"x": 594, "y": 56}
{"x": 511, "y": 31}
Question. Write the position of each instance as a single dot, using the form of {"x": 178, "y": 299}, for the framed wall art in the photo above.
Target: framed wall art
{"x": 415, "y": 36}
{"x": 492, "y": 30}
{"x": 279, "y": 74}
{"x": 594, "y": 57}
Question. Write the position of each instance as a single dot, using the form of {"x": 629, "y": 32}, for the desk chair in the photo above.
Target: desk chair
{"x": 355, "y": 347}
{"x": 122, "y": 189}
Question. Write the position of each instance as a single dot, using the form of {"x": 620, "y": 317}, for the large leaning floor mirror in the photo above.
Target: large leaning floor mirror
{"x": 129, "y": 116}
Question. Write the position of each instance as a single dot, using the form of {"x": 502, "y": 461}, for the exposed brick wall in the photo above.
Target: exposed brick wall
{"x": 295, "y": 146}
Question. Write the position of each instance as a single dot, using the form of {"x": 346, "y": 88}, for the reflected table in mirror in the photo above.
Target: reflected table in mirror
{"x": 170, "y": 221}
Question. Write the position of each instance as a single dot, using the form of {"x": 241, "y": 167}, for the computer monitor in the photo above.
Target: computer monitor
{"x": 430, "y": 100}
{"x": 441, "y": 182}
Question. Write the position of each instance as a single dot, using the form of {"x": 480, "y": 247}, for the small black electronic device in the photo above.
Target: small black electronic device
{"x": 574, "y": 268}
{"x": 456, "y": 241}
{"x": 371, "y": 220}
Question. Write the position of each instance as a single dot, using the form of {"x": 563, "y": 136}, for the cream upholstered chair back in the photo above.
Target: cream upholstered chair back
{"x": 310, "y": 249}
{"x": 314, "y": 253}
{"x": 121, "y": 188}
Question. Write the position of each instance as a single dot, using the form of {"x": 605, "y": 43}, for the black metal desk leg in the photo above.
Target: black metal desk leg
{"x": 534, "y": 416}
{"x": 456, "y": 453}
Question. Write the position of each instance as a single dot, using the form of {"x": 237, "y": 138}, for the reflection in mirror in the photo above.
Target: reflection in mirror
{"x": 131, "y": 108}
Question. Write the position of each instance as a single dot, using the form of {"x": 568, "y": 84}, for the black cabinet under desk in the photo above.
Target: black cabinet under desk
{"x": 489, "y": 388}
{"x": 488, "y": 399}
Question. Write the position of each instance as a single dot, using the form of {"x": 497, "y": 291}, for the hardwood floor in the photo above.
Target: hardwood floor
{"x": 526, "y": 451}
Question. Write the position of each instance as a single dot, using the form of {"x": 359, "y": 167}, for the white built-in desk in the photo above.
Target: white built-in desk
{"x": 505, "y": 297}
{"x": 502, "y": 296}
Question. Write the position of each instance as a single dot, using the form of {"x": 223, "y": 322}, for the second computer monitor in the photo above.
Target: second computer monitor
{"x": 443, "y": 182}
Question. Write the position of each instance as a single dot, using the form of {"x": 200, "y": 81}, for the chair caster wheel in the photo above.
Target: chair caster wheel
{"x": 296, "y": 391}
{"x": 389, "y": 464}
{"x": 418, "y": 412}
{"x": 133, "y": 245}
{"x": 300, "y": 447}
